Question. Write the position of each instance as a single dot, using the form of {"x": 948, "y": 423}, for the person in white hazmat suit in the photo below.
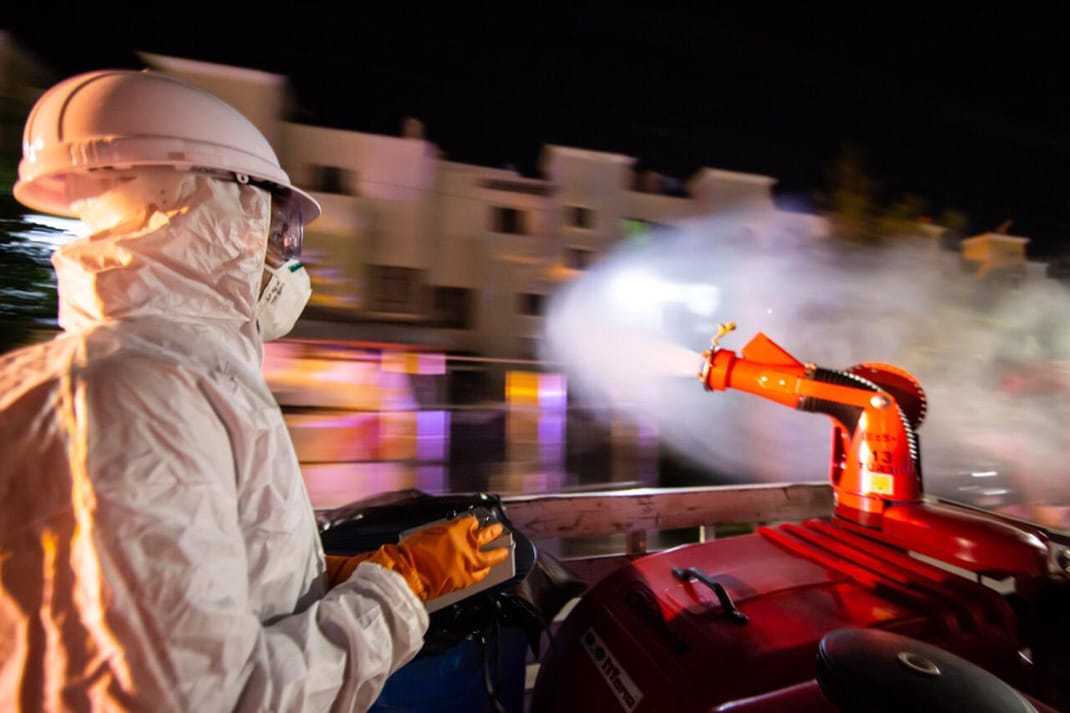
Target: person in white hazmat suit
{"x": 158, "y": 550}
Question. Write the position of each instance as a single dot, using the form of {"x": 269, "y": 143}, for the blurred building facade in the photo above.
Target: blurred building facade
{"x": 997, "y": 258}
{"x": 417, "y": 249}
{"x": 22, "y": 78}
{"x": 414, "y": 249}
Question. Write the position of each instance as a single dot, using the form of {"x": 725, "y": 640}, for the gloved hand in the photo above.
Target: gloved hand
{"x": 341, "y": 567}
{"x": 436, "y": 560}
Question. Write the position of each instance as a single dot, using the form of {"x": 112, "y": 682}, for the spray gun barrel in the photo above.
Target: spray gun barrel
{"x": 765, "y": 369}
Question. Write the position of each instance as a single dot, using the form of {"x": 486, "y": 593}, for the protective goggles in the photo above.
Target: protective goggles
{"x": 286, "y": 231}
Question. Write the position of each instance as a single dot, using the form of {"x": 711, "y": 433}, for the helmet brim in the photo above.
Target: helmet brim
{"x": 310, "y": 207}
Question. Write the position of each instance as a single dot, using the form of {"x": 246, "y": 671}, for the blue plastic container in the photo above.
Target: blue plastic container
{"x": 452, "y": 682}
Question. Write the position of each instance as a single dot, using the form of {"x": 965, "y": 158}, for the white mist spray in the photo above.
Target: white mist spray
{"x": 629, "y": 334}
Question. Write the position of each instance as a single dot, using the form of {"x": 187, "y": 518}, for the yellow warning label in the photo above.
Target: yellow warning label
{"x": 879, "y": 483}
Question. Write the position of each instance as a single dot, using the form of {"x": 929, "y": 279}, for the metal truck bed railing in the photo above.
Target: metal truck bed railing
{"x": 636, "y": 512}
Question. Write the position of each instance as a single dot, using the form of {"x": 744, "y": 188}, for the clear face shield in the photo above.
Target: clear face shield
{"x": 285, "y": 232}
{"x": 286, "y": 286}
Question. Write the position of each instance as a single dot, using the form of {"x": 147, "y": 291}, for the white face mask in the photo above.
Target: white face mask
{"x": 282, "y": 299}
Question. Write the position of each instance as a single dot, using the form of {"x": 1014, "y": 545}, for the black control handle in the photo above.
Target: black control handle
{"x": 727, "y": 605}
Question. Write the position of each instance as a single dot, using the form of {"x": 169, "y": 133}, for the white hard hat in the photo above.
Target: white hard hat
{"x": 122, "y": 119}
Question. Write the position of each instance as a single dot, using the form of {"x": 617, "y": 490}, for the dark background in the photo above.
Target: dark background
{"x": 964, "y": 107}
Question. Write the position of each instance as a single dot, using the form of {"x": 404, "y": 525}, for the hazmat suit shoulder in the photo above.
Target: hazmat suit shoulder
{"x": 158, "y": 546}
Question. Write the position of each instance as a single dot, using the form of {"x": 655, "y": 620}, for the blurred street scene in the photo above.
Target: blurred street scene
{"x": 478, "y": 327}
{"x": 369, "y": 418}
{"x": 372, "y": 418}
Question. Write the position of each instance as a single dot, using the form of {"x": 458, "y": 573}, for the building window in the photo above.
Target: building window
{"x": 394, "y": 289}
{"x": 530, "y": 303}
{"x": 639, "y": 231}
{"x": 527, "y": 348}
{"x": 579, "y": 217}
{"x": 578, "y": 258}
{"x": 508, "y": 220}
{"x": 1008, "y": 253}
{"x": 453, "y": 307}
{"x": 330, "y": 179}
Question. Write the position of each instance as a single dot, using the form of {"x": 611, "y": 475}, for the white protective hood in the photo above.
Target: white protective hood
{"x": 158, "y": 550}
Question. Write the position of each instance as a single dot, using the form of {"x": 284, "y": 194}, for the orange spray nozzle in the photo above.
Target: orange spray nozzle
{"x": 875, "y": 463}
{"x": 875, "y": 457}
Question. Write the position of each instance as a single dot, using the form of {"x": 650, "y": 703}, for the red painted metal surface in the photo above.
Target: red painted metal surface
{"x": 969, "y": 540}
{"x": 800, "y": 698}
{"x": 643, "y": 640}
{"x": 808, "y": 698}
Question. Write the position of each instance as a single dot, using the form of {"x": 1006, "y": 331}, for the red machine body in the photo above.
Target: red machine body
{"x": 808, "y": 698}
{"x": 644, "y": 640}
{"x": 874, "y": 671}
{"x": 708, "y": 624}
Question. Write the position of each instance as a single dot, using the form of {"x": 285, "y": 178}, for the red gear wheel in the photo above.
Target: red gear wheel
{"x": 903, "y": 387}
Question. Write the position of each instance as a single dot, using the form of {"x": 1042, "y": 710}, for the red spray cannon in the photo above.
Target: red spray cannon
{"x": 875, "y": 467}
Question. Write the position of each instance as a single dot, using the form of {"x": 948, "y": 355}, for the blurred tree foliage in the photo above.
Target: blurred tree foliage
{"x": 850, "y": 198}
{"x": 852, "y": 202}
{"x": 27, "y": 282}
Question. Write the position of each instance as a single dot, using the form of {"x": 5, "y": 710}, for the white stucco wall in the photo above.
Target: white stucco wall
{"x": 715, "y": 190}
{"x": 399, "y": 205}
{"x": 594, "y": 180}
{"x": 260, "y": 96}
{"x": 394, "y": 177}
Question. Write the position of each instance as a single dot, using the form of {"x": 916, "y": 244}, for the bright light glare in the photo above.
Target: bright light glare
{"x": 637, "y": 296}
{"x": 641, "y": 295}
{"x": 700, "y": 299}
{"x": 632, "y": 284}
{"x": 68, "y": 228}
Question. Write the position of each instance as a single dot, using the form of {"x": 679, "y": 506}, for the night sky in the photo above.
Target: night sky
{"x": 963, "y": 108}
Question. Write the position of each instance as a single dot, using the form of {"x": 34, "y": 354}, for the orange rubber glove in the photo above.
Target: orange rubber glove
{"x": 340, "y": 567}
{"x": 438, "y": 559}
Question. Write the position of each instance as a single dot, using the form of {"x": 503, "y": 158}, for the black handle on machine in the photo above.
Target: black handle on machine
{"x": 727, "y": 605}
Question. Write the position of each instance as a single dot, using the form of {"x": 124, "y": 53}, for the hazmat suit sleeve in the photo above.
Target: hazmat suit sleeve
{"x": 164, "y": 566}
